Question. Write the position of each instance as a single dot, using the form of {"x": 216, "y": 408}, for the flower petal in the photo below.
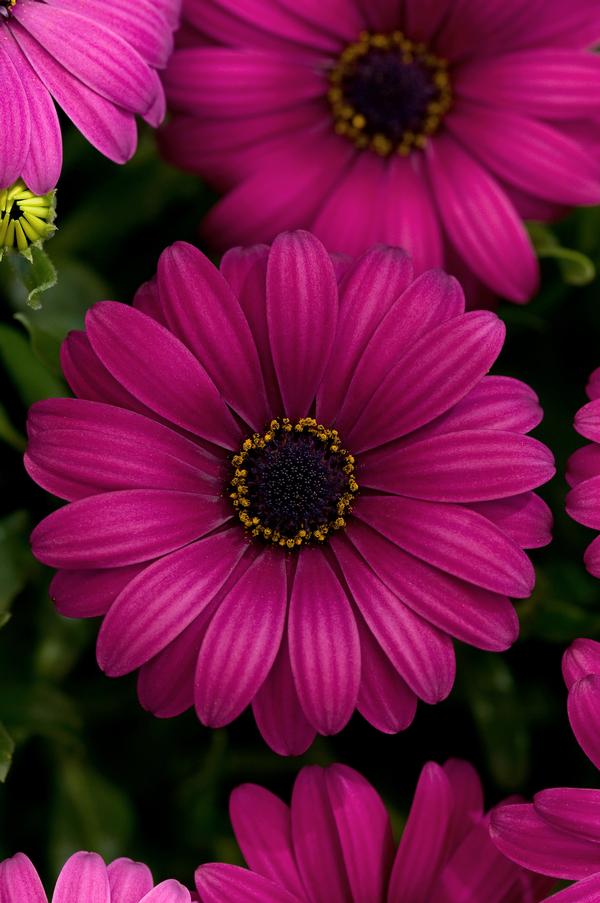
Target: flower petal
{"x": 20, "y": 882}
{"x": 583, "y": 502}
{"x": 583, "y": 707}
{"x": 83, "y": 877}
{"x": 170, "y": 891}
{"x": 571, "y": 809}
{"x": 384, "y": 699}
{"x": 129, "y": 881}
{"x": 526, "y": 518}
{"x": 87, "y": 594}
{"x": 14, "y": 114}
{"x": 587, "y": 420}
{"x": 583, "y": 464}
{"x": 217, "y": 883}
{"x": 580, "y": 659}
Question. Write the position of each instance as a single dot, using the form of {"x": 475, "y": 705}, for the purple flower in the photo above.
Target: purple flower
{"x": 334, "y": 845}
{"x": 583, "y": 472}
{"x": 96, "y": 60}
{"x": 85, "y": 878}
{"x": 291, "y": 484}
{"x": 434, "y": 125}
{"x": 581, "y": 671}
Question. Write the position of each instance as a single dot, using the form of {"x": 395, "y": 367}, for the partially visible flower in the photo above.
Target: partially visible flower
{"x": 291, "y": 484}
{"x": 334, "y": 845}
{"x": 581, "y": 670}
{"x": 583, "y": 472}
{"x": 25, "y": 218}
{"x": 96, "y": 60}
{"x": 85, "y": 878}
{"x": 434, "y": 125}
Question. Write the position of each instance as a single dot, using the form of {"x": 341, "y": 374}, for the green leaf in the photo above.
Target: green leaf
{"x": 576, "y": 268}
{"x": 30, "y": 377}
{"x": 33, "y": 276}
{"x": 9, "y": 434}
{"x": 16, "y": 561}
{"x": 7, "y": 748}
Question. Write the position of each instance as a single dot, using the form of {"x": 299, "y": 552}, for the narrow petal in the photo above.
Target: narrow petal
{"x": 583, "y": 707}
{"x": 15, "y": 116}
{"x": 580, "y": 659}
{"x": 453, "y": 539}
{"x": 20, "y": 882}
{"x": 170, "y": 891}
{"x": 583, "y": 503}
{"x": 129, "y": 881}
{"x": 242, "y": 641}
{"x": 302, "y": 303}
{"x": 435, "y": 373}
{"x": 364, "y": 830}
{"x": 384, "y": 699}
{"x": 526, "y": 518}
{"x": 467, "y": 196}
{"x": 263, "y": 829}
{"x": 573, "y": 810}
{"x": 87, "y": 594}
{"x": 525, "y": 837}
{"x": 83, "y": 877}
{"x": 591, "y": 557}
{"x": 160, "y": 602}
{"x": 324, "y": 644}
{"x": 583, "y": 464}
{"x": 316, "y": 840}
{"x": 119, "y": 528}
{"x": 587, "y": 420}
{"x": 277, "y": 710}
{"x": 467, "y": 794}
{"x": 422, "y": 846}
{"x": 218, "y": 883}
{"x": 466, "y": 466}
{"x": 203, "y": 312}
{"x": 158, "y": 369}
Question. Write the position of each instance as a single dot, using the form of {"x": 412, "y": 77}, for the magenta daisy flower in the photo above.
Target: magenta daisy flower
{"x": 85, "y": 878}
{"x": 583, "y": 472}
{"x": 581, "y": 671}
{"x": 97, "y": 61}
{"x": 290, "y": 487}
{"x": 334, "y": 845}
{"x": 434, "y": 125}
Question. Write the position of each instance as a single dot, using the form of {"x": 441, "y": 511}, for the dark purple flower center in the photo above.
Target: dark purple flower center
{"x": 388, "y": 94}
{"x": 294, "y": 483}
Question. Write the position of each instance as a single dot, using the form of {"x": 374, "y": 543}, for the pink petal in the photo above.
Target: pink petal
{"x": 580, "y": 659}
{"x": 364, "y": 830}
{"x": 87, "y": 594}
{"x": 467, "y": 794}
{"x": 422, "y": 655}
{"x": 170, "y": 891}
{"x": 148, "y": 300}
{"x": 14, "y": 113}
{"x": 475, "y": 616}
{"x": 422, "y": 846}
{"x": 316, "y": 840}
{"x": 573, "y": 810}
{"x": 162, "y": 600}
{"x": 159, "y": 370}
{"x": 324, "y": 644}
{"x": 277, "y": 710}
{"x": 430, "y": 300}
{"x": 368, "y": 290}
{"x": 583, "y": 707}
{"x": 501, "y": 253}
{"x": 466, "y": 466}
{"x": 203, "y": 312}
{"x": 453, "y": 539}
{"x": 263, "y": 830}
{"x": 301, "y": 332}
{"x": 526, "y": 518}
{"x": 436, "y": 372}
{"x": 20, "y": 882}
{"x": 119, "y": 528}
{"x": 587, "y": 420}
{"x": 242, "y": 641}
{"x": 591, "y": 557}
{"x": 583, "y": 502}
{"x": 593, "y": 387}
{"x": 217, "y": 883}
{"x": 586, "y": 891}
{"x": 525, "y": 837}
{"x": 129, "y": 881}
{"x": 583, "y": 464}
{"x": 384, "y": 698}
{"x": 83, "y": 877}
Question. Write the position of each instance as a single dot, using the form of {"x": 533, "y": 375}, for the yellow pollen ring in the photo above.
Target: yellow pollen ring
{"x": 25, "y": 218}
{"x": 239, "y": 485}
{"x": 352, "y": 124}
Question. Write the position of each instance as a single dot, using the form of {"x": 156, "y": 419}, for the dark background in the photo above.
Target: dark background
{"x": 90, "y": 769}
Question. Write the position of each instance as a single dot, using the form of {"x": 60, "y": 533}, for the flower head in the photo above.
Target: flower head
{"x": 102, "y": 77}
{"x": 334, "y": 845}
{"x": 291, "y": 484}
{"x": 25, "y": 219}
{"x": 84, "y": 877}
{"x": 583, "y": 472}
{"x": 432, "y": 125}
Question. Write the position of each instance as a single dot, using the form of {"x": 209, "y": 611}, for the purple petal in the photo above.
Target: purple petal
{"x": 570, "y": 809}
{"x": 87, "y": 594}
{"x": 587, "y": 420}
{"x": 580, "y": 659}
{"x": 384, "y": 698}
{"x": 129, "y": 881}
{"x": 583, "y": 707}
{"x": 218, "y": 883}
{"x": 14, "y": 114}
{"x": 83, "y": 877}
{"x": 526, "y": 518}
{"x": 20, "y": 882}
{"x": 583, "y": 502}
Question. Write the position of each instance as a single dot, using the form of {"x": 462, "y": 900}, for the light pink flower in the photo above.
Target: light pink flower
{"x": 506, "y": 88}
{"x": 334, "y": 845}
{"x": 85, "y": 878}
{"x": 406, "y": 531}
{"x": 583, "y": 472}
{"x": 96, "y": 60}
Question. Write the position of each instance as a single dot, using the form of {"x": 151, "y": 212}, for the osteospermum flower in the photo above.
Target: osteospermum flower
{"x": 85, "y": 878}
{"x": 334, "y": 845}
{"x": 434, "y": 125}
{"x": 97, "y": 61}
{"x": 583, "y": 472}
{"x": 290, "y": 489}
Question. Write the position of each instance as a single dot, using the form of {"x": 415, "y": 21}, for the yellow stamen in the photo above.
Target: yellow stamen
{"x": 25, "y": 219}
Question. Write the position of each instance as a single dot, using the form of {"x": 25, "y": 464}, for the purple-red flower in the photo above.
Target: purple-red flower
{"x": 583, "y": 472}
{"x": 581, "y": 671}
{"x": 85, "y": 878}
{"x": 334, "y": 845}
{"x": 290, "y": 487}
{"x": 96, "y": 60}
{"x": 434, "y": 125}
